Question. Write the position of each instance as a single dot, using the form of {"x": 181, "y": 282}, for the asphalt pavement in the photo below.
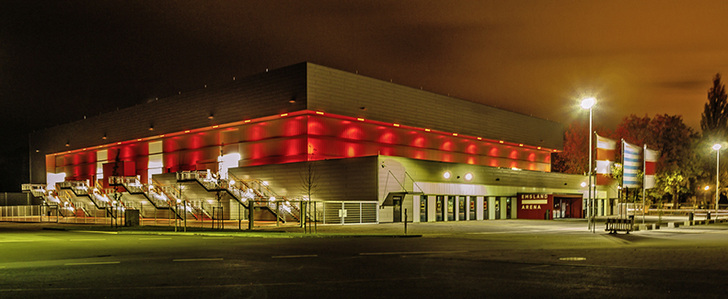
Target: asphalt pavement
{"x": 467, "y": 259}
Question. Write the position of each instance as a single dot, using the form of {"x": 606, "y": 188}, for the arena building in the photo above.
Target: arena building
{"x": 363, "y": 150}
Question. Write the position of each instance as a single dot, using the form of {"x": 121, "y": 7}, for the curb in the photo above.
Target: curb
{"x": 656, "y": 226}
{"x": 237, "y": 234}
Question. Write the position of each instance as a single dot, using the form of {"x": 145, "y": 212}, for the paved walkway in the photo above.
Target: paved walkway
{"x": 382, "y": 229}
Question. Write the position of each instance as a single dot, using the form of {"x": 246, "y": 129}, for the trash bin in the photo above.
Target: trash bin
{"x": 707, "y": 217}
{"x": 131, "y": 218}
{"x": 546, "y": 216}
{"x": 691, "y": 216}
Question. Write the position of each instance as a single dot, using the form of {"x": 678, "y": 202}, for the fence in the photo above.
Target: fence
{"x": 200, "y": 214}
{"x": 348, "y": 212}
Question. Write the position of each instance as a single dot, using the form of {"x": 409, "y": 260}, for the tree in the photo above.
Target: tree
{"x": 678, "y": 168}
{"x": 635, "y": 129}
{"x": 309, "y": 184}
{"x": 574, "y": 158}
{"x": 714, "y": 121}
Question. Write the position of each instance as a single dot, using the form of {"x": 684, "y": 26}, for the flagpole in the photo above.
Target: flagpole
{"x": 644, "y": 175}
{"x": 589, "y": 103}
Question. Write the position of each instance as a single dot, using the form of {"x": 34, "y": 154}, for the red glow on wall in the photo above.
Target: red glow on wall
{"x": 197, "y": 141}
{"x": 171, "y": 145}
{"x": 352, "y": 149}
{"x": 513, "y": 164}
{"x": 419, "y": 154}
{"x": 419, "y": 141}
{"x": 446, "y": 146}
{"x": 256, "y": 151}
{"x": 293, "y": 147}
{"x": 293, "y": 126}
{"x": 471, "y": 149}
{"x": 195, "y": 158}
{"x": 353, "y": 131}
{"x": 257, "y": 132}
{"x": 315, "y": 127}
{"x": 387, "y": 137}
{"x": 311, "y": 149}
{"x": 171, "y": 162}
{"x": 301, "y": 136}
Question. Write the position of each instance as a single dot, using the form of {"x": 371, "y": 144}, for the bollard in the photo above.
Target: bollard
{"x": 707, "y": 217}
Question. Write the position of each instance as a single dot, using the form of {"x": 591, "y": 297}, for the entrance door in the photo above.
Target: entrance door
{"x": 471, "y": 212}
{"x": 462, "y": 205}
{"x": 485, "y": 208}
{"x": 508, "y": 208}
{"x": 440, "y": 208}
{"x": 397, "y": 212}
{"x": 497, "y": 208}
{"x": 423, "y": 208}
{"x": 451, "y": 208}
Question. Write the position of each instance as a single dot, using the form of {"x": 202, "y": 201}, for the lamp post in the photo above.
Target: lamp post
{"x": 717, "y": 148}
{"x": 589, "y": 103}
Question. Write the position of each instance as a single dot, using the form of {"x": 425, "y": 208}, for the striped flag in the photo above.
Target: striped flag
{"x": 651, "y": 158}
{"x": 605, "y": 157}
{"x": 631, "y": 155}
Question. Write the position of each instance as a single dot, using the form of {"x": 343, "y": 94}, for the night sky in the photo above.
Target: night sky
{"x": 63, "y": 60}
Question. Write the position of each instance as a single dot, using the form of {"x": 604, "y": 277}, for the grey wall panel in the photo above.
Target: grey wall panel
{"x": 340, "y": 179}
{"x": 345, "y": 93}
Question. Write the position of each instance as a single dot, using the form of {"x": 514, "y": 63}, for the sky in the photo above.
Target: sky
{"x": 63, "y": 60}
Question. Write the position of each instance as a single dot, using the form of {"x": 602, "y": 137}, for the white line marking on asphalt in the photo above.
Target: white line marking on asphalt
{"x": 92, "y": 263}
{"x": 212, "y": 259}
{"x": 85, "y": 240}
{"x": 572, "y": 258}
{"x": 507, "y": 232}
{"x": 410, "y": 252}
{"x": 161, "y": 238}
{"x": 293, "y": 256}
{"x": 98, "y": 232}
{"x": 217, "y": 238}
{"x": 17, "y": 241}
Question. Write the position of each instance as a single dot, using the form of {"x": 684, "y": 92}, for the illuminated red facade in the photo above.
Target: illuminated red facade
{"x": 304, "y": 113}
{"x": 294, "y": 137}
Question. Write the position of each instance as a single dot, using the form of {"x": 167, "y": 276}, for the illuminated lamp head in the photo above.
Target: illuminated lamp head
{"x": 468, "y": 176}
{"x": 446, "y": 175}
{"x": 588, "y": 103}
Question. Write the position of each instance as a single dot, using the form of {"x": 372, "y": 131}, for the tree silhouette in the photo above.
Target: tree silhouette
{"x": 714, "y": 121}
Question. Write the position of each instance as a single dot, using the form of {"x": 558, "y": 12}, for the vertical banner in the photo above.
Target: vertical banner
{"x": 651, "y": 158}
{"x": 631, "y": 164}
{"x": 605, "y": 157}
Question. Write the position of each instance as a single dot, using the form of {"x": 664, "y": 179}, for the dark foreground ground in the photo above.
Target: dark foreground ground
{"x": 507, "y": 258}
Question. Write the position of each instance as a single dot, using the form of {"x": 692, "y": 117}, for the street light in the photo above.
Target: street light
{"x": 717, "y": 147}
{"x": 589, "y": 103}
